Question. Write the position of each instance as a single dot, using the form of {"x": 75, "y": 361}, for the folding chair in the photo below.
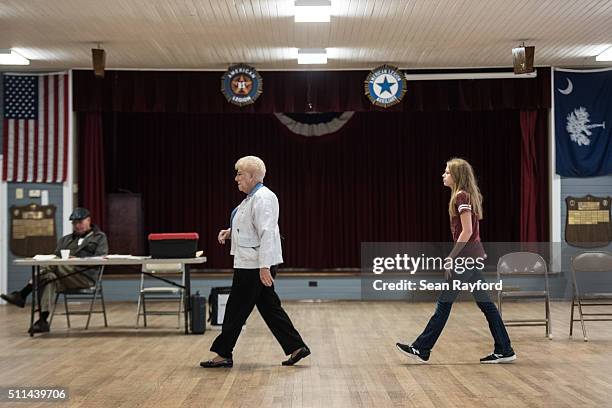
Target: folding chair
{"x": 157, "y": 293}
{"x": 525, "y": 264}
{"x": 589, "y": 262}
{"x": 90, "y": 293}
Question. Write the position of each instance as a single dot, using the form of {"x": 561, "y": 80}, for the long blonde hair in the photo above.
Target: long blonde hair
{"x": 464, "y": 180}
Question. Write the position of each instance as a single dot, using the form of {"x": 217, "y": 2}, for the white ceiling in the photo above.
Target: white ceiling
{"x": 210, "y": 34}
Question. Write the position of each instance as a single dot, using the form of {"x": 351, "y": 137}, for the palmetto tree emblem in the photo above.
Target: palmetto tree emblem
{"x": 579, "y": 128}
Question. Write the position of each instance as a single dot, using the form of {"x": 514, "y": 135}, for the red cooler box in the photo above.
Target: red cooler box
{"x": 174, "y": 245}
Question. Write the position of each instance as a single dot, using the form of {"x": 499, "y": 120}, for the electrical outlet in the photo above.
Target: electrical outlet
{"x": 19, "y": 194}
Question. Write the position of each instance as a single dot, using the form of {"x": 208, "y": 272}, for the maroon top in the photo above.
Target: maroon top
{"x": 463, "y": 204}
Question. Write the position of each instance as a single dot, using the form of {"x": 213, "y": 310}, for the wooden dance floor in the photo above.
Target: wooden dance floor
{"x": 354, "y": 361}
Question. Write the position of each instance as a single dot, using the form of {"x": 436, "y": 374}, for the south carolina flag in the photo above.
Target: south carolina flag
{"x": 36, "y": 115}
{"x": 583, "y": 122}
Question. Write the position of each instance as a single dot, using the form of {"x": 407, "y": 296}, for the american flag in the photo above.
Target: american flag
{"x": 36, "y": 119}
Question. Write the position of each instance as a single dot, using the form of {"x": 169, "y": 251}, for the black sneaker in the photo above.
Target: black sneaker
{"x": 497, "y": 358}
{"x": 411, "y": 352}
{"x": 14, "y": 298}
{"x": 40, "y": 326}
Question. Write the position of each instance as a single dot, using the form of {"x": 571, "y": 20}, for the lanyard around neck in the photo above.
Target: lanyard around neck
{"x": 251, "y": 193}
{"x": 254, "y": 190}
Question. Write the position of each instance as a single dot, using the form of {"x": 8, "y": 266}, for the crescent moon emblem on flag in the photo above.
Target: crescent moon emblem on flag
{"x": 569, "y": 89}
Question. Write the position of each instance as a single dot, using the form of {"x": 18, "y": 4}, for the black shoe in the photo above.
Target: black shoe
{"x": 227, "y": 362}
{"x": 40, "y": 326}
{"x": 14, "y": 298}
{"x": 293, "y": 359}
{"x": 411, "y": 352}
{"x": 497, "y": 358}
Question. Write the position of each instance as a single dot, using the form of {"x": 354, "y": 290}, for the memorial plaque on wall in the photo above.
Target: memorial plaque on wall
{"x": 33, "y": 230}
{"x": 588, "y": 221}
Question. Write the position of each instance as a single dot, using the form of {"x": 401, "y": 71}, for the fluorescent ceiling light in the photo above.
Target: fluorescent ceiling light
{"x": 469, "y": 75}
{"x": 10, "y": 57}
{"x": 605, "y": 56}
{"x": 312, "y": 11}
{"x": 312, "y": 56}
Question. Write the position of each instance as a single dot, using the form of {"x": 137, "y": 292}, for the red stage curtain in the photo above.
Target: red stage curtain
{"x": 377, "y": 179}
{"x": 534, "y": 177}
{"x": 172, "y": 137}
{"x": 92, "y": 190}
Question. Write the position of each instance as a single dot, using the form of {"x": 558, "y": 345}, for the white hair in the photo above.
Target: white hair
{"x": 253, "y": 165}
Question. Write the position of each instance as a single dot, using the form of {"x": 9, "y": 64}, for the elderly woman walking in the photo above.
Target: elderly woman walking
{"x": 256, "y": 248}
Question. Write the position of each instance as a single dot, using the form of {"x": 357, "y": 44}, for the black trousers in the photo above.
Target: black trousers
{"x": 248, "y": 292}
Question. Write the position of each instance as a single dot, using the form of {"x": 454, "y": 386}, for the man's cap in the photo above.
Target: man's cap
{"x": 79, "y": 213}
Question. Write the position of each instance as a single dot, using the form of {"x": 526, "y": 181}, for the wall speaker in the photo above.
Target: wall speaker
{"x": 98, "y": 58}
{"x": 522, "y": 59}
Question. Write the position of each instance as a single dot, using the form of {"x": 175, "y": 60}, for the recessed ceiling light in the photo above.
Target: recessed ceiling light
{"x": 11, "y": 57}
{"x": 312, "y": 11}
{"x": 605, "y": 56}
{"x": 312, "y": 56}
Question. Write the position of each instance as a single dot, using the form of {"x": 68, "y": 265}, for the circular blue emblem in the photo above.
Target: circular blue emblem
{"x": 385, "y": 86}
{"x": 241, "y": 84}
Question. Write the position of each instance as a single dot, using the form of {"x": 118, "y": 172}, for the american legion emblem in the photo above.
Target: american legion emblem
{"x": 385, "y": 86}
{"x": 241, "y": 84}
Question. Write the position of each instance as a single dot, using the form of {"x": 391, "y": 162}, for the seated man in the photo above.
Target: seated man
{"x": 86, "y": 241}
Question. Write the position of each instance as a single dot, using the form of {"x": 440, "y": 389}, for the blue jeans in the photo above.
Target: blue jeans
{"x": 425, "y": 342}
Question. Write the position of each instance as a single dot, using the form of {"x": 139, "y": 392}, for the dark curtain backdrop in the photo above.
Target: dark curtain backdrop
{"x": 168, "y": 136}
{"x": 534, "y": 176}
{"x": 378, "y": 179}
{"x": 91, "y": 169}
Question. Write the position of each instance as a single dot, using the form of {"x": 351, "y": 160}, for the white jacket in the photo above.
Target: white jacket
{"x": 255, "y": 233}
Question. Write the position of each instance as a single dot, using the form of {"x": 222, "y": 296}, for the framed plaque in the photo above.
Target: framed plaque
{"x": 33, "y": 229}
{"x": 587, "y": 223}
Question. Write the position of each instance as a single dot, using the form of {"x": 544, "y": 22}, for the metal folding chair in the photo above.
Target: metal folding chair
{"x": 589, "y": 262}
{"x": 90, "y": 293}
{"x": 160, "y": 293}
{"x": 525, "y": 264}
